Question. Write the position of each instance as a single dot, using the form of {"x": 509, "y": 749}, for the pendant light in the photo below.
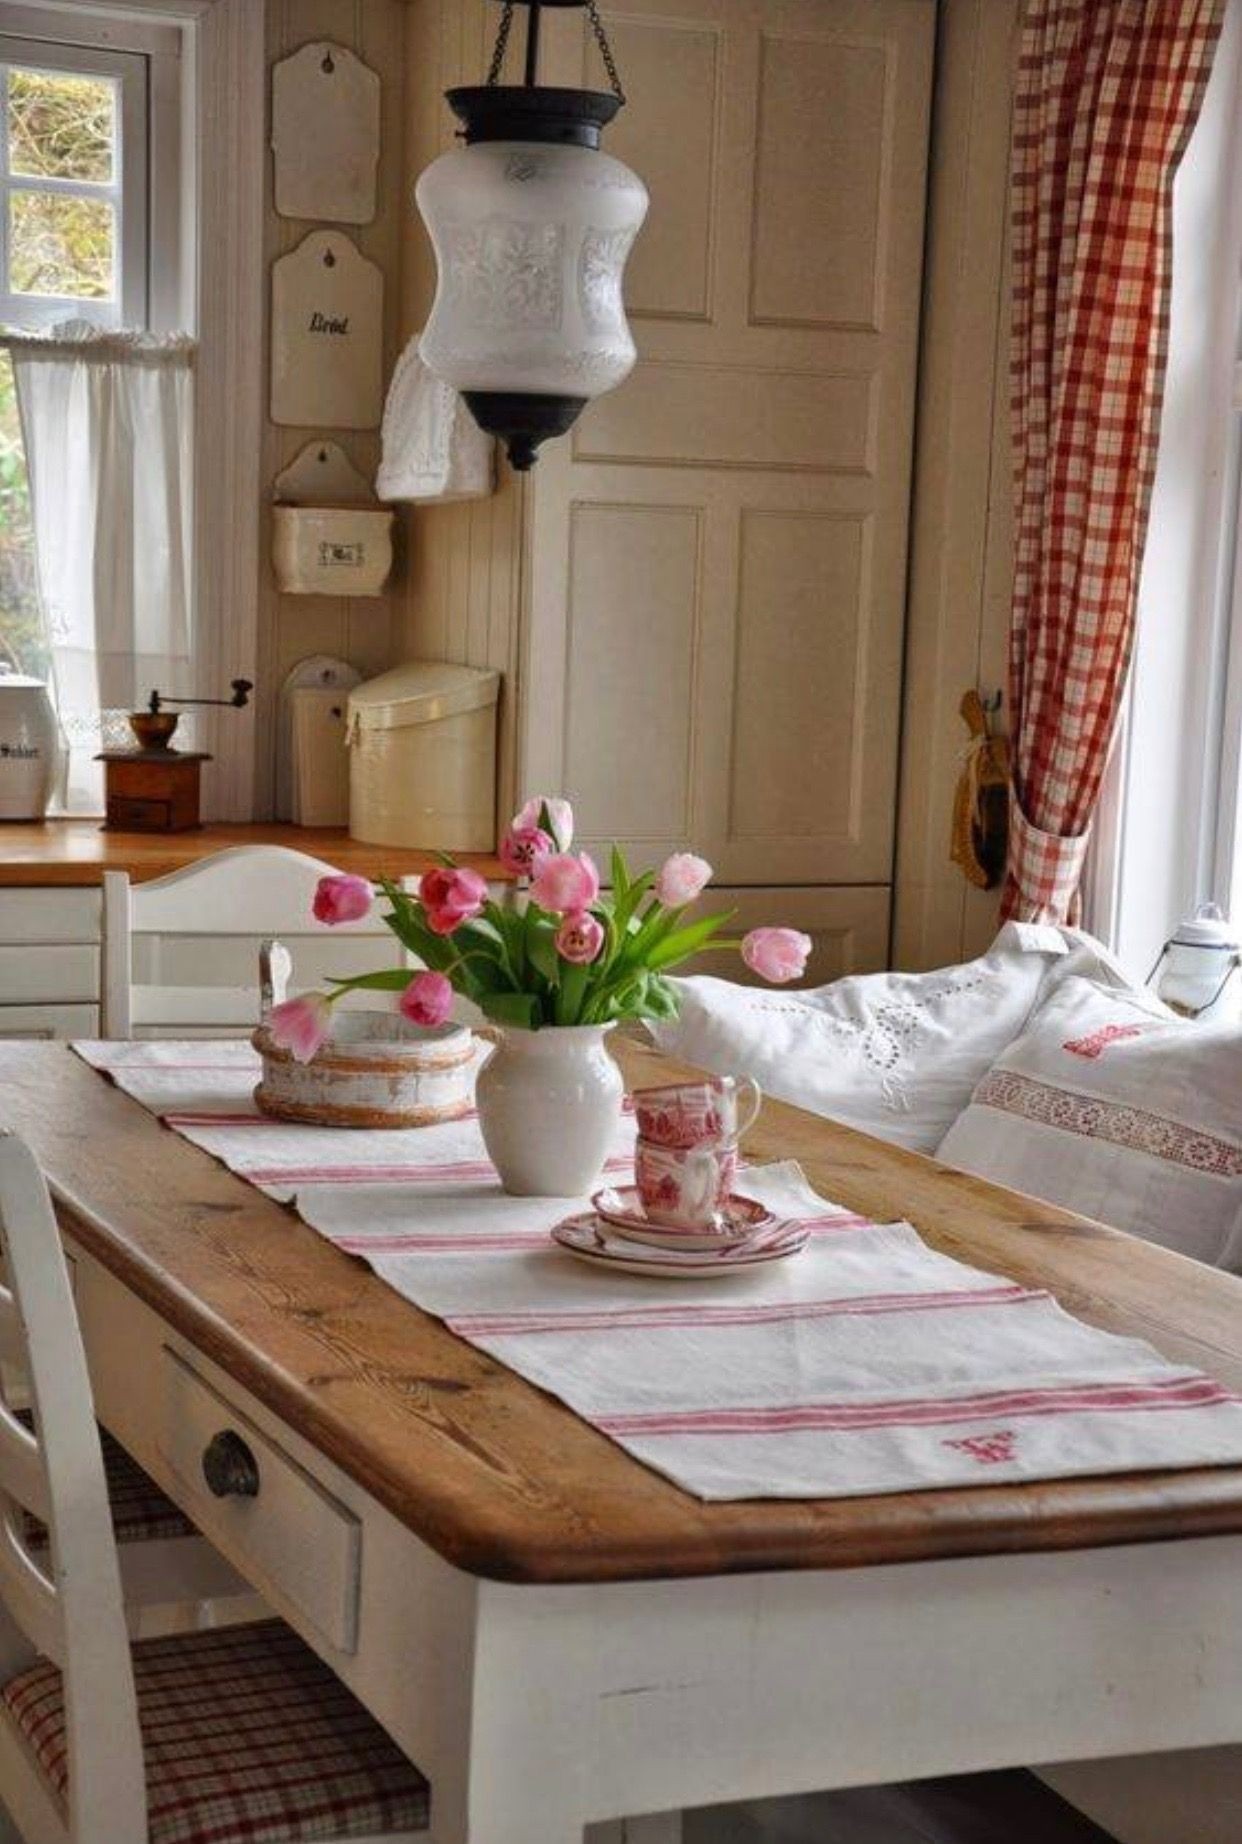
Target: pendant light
{"x": 531, "y": 225}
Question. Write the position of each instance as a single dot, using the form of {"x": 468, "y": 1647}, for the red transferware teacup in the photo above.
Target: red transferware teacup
{"x": 715, "y": 1112}
{"x": 684, "y": 1187}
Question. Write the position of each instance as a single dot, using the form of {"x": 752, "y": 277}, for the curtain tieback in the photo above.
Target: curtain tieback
{"x": 1047, "y": 867}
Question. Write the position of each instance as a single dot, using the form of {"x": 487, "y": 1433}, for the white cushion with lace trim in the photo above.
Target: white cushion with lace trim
{"x": 896, "y": 1054}
{"x": 1116, "y": 1109}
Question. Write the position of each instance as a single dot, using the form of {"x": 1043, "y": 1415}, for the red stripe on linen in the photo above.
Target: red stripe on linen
{"x": 1182, "y": 1393}
{"x": 508, "y": 1325}
{"x": 463, "y": 1169}
{"x": 431, "y": 1244}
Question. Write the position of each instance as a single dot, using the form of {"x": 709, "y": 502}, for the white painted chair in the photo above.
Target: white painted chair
{"x": 207, "y": 921}
{"x": 219, "y": 1736}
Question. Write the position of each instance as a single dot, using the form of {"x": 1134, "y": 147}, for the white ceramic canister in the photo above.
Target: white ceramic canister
{"x": 549, "y": 1104}
{"x": 29, "y": 746}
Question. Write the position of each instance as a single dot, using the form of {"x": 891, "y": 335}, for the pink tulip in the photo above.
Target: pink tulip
{"x": 682, "y": 878}
{"x": 428, "y": 999}
{"x": 565, "y": 883}
{"x": 451, "y": 896}
{"x": 301, "y": 1025}
{"x": 524, "y": 848}
{"x": 342, "y": 899}
{"x": 776, "y": 954}
{"x": 560, "y": 813}
{"x": 579, "y": 939}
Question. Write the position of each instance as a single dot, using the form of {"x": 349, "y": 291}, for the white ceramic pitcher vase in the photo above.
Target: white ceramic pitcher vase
{"x": 549, "y": 1103}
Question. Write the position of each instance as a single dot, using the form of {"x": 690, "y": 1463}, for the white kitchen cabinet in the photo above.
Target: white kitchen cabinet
{"x": 717, "y": 553}
{"x": 848, "y": 928}
{"x": 49, "y": 962}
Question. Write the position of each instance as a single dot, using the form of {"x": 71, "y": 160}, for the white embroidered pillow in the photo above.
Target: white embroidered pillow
{"x": 1109, "y": 1105}
{"x": 896, "y": 1054}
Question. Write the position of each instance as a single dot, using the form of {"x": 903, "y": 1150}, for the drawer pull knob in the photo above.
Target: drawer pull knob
{"x": 229, "y": 1467}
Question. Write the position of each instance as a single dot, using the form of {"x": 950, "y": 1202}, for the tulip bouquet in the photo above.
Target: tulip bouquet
{"x": 559, "y": 952}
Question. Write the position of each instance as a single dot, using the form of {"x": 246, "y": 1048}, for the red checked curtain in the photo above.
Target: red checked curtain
{"x": 1108, "y": 91}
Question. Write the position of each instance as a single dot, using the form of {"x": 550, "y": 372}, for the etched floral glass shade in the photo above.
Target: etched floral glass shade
{"x": 531, "y": 240}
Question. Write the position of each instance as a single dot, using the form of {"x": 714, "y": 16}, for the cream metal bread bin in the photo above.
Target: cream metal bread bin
{"x": 331, "y": 550}
{"x": 422, "y": 757}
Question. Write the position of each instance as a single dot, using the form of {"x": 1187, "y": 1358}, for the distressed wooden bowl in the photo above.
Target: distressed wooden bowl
{"x": 376, "y": 1070}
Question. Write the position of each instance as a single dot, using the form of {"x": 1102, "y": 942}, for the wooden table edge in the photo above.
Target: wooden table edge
{"x": 719, "y": 1537}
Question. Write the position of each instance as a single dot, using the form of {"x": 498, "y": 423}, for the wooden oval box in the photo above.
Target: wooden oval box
{"x": 376, "y": 1070}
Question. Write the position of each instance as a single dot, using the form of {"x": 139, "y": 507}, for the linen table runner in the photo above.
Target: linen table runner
{"x": 867, "y": 1363}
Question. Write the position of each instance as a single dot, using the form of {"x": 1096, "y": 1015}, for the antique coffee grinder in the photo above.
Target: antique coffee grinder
{"x": 155, "y": 788}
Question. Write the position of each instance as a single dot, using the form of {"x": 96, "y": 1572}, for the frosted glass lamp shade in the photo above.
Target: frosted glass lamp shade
{"x": 531, "y": 241}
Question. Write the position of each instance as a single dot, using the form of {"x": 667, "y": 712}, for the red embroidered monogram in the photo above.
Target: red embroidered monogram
{"x": 988, "y": 1449}
{"x": 1093, "y": 1046}
{"x": 1097, "y": 1119}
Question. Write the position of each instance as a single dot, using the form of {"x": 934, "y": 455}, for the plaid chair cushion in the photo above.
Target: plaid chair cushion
{"x": 248, "y": 1738}
{"x": 140, "y": 1511}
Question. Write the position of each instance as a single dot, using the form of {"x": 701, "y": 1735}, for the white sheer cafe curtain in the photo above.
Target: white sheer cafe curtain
{"x": 107, "y": 425}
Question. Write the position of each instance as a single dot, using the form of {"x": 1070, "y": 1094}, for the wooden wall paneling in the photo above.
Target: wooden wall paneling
{"x": 774, "y": 393}
{"x": 364, "y": 631}
{"x": 961, "y": 558}
{"x": 461, "y": 594}
{"x": 848, "y": 926}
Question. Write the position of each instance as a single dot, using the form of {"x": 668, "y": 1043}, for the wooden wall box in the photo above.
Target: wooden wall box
{"x": 325, "y": 134}
{"x": 151, "y": 790}
{"x": 327, "y": 335}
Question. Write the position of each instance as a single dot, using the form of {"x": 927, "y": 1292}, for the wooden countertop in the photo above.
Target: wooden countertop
{"x": 507, "y": 1483}
{"x": 73, "y": 853}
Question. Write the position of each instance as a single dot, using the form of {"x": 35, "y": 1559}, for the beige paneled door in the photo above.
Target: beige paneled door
{"x": 717, "y": 558}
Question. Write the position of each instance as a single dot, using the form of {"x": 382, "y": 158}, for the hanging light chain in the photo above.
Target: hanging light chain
{"x": 605, "y": 49}
{"x": 501, "y": 45}
{"x": 597, "y": 28}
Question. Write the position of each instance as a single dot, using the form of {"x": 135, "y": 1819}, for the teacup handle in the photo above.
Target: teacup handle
{"x": 746, "y": 1085}
{"x": 701, "y": 1168}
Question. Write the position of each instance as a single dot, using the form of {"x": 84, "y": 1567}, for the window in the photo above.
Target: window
{"x": 73, "y": 246}
{"x": 132, "y": 167}
{"x": 1164, "y": 836}
{"x": 73, "y": 184}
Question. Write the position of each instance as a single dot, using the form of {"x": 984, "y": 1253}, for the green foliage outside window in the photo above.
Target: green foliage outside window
{"x": 21, "y": 621}
{"x": 59, "y": 126}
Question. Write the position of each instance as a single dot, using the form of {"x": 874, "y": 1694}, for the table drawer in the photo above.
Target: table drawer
{"x": 277, "y": 1523}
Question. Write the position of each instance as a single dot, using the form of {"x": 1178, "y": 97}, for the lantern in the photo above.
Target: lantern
{"x": 531, "y": 224}
{"x": 1199, "y": 961}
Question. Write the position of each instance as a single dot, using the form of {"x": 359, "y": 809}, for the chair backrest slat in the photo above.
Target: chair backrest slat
{"x": 75, "y": 1612}
{"x": 247, "y": 893}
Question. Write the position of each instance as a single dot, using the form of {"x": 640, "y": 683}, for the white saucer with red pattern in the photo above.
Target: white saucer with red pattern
{"x": 588, "y": 1237}
{"x": 738, "y": 1220}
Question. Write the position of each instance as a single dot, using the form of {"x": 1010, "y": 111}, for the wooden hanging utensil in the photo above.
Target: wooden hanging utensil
{"x": 981, "y": 800}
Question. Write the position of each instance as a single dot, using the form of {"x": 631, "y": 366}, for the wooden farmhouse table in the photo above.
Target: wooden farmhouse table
{"x": 560, "y": 1638}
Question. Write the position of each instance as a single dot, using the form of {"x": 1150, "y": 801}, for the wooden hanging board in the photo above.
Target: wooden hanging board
{"x": 322, "y": 474}
{"x": 327, "y": 335}
{"x": 325, "y": 134}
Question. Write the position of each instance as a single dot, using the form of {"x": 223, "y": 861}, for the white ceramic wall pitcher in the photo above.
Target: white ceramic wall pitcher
{"x": 549, "y": 1103}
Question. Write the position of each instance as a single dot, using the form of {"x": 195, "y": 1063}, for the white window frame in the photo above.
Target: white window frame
{"x": 1227, "y": 866}
{"x": 128, "y": 304}
{"x": 1163, "y": 838}
{"x": 207, "y": 68}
